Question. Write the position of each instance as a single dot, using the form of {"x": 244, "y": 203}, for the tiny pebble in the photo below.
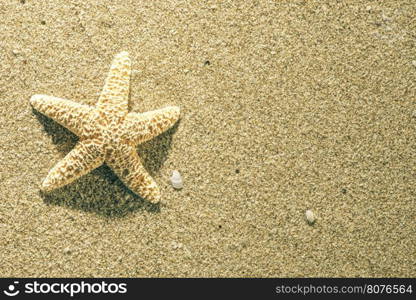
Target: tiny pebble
{"x": 310, "y": 216}
{"x": 176, "y": 245}
{"x": 176, "y": 180}
{"x": 414, "y": 63}
{"x": 274, "y": 230}
{"x": 67, "y": 250}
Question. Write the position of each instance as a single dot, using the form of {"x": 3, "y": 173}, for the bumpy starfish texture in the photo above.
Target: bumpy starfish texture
{"x": 107, "y": 133}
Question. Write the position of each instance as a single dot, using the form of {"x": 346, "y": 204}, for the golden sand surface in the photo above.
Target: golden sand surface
{"x": 286, "y": 106}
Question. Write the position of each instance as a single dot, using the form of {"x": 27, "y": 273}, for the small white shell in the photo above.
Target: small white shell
{"x": 310, "y": 216}
{"x": 176, "y": 180}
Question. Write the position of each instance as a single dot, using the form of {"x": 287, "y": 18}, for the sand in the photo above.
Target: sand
{"x": 286, "y": 106}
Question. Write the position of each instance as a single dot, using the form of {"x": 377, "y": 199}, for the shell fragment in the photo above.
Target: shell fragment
{"x": 176, "y": 180}
{"x": 310, "y": 216}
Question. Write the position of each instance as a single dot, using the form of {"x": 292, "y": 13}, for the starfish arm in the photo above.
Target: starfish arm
{"x": 114, "y": 96}
{"x": 139, "y": 128}
{"x": 85, "y": 157}
{"x": 69, "y": 114}
{"x": 130, "y": 170}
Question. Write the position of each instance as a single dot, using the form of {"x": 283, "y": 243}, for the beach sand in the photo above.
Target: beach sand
{"x": 286, "y": 106}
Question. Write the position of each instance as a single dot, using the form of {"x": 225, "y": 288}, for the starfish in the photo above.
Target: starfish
{"x": 107, "y": 133}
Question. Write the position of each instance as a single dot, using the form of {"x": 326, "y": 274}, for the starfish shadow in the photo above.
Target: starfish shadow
{"x": 155, "y": 152}
{"x": 64, "y": 139}
{"x": 101, "y": 191}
